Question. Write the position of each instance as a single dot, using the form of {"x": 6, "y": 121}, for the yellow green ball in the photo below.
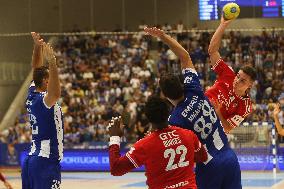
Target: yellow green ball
{"x": 231, "y": 11}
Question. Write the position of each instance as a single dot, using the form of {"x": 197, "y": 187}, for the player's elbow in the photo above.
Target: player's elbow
{"x": 211, "y": 50}
{"x": 185, "y": 57}
{"x": 204, "y": 156}
{"x": 115, "y": 172}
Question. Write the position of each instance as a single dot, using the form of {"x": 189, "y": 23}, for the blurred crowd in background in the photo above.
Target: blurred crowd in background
{"x": 109, "y": 75}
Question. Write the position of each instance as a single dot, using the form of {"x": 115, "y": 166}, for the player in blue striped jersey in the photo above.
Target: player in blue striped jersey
{"x": 41, "y": 169}
{"x": 194, "y": 111}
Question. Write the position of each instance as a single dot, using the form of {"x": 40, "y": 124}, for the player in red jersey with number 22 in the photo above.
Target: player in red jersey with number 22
{"x": 168, "y": 153}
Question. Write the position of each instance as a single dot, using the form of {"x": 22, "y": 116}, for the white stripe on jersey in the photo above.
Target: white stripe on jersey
{"x": 132, "y": 160}
{"x": 216, "y": 64}
{"x": 247, "y": 104}
{"x": 33, "y": 148}
{"x": 45, "y": 103}
{"x": 44, "y": 148}
{"x": 59, "y": 129}
{"x": 199, "y": 147}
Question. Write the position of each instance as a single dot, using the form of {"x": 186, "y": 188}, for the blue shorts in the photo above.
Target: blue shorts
{"x": 222, "y": 172}
{"x": 41, "y": 173}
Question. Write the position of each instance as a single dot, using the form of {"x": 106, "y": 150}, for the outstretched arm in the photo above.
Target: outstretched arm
{"x": 53, "y": 87}
{"x": 215, "y": 42}
{"x": 279, "y": 128}
{"x": 37, "y": 58}
{"x": 174, "y": 46}
{"x": 6, "y": 183}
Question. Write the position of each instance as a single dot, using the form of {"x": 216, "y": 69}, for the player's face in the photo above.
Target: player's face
{"x": 242, "y": 81}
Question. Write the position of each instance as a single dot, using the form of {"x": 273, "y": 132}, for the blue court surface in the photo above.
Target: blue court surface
{"x": 72, "y": 180}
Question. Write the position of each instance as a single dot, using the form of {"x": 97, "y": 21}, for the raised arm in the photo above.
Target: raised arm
{"x": 37, "y": 58}
{"x": 179, "y": 51}
{"x": 119, "y": 165}
{"x": 215, "y": 42}
{"x": 53, "y": 87}
{"x": 278, "y": 126}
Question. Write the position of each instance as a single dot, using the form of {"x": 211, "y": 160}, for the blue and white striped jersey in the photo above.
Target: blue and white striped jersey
{"x": 197, "y": 114}
{"x": 47, "y": 126}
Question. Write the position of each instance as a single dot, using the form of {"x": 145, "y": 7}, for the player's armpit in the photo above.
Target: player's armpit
{"x": 119, "y": 165}
{"x": 200, "y": 155}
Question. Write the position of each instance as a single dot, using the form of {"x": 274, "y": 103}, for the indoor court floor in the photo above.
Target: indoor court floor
{"x": 103, "y": 180}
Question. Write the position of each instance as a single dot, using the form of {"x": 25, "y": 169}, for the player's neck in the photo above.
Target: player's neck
{"x": 240, "y": 93}
{"x": 39, "y": 90}
{"x": 177, "y": 101}
{"x": 161, "y": 126}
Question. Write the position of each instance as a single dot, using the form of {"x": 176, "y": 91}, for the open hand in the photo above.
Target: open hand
{"x": 225, "y": 22}
{"x": 155, "y": 32}
{"x": 115, "y": 127}
{"x": 48, "y": 52}
{"x": 37, "y": 40}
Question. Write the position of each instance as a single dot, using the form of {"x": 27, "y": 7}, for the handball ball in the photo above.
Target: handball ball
{"x": 231, "y": 11}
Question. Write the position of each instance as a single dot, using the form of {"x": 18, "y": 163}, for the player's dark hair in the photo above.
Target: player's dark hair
{"x": 157, "y": 111}
{"x": 250, "y": 71}
{"x": 171, "y": 86}
{"x": 39, "y": 74}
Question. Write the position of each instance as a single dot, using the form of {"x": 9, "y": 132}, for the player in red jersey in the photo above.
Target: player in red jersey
{"x": 229, "y": 94}
{"x": 168, "y": 153}
{"x": 6, "y": 183}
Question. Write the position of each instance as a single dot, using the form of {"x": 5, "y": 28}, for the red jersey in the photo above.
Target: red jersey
{"x": 234, "y": 108}
{"x": 168, "y": 156}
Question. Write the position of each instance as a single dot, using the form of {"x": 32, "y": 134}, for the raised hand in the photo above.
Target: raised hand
{"x": 225, "y": 22}
{"x": 37, "y": 40}
{"x": 155, "y": 32}
{"x": 115, "y": 126}
{"x": 48, "y": 52}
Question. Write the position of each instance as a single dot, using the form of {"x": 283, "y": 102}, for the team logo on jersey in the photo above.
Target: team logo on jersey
{"x": 170, "y": 138}
{"x": 188, "y": 79}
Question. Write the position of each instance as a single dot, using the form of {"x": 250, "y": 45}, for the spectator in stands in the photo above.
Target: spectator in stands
{"x": 278, "y": 115}
{"x": 95, "y": 72}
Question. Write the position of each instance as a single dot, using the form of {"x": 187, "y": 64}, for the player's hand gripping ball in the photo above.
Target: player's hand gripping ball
{"x": 231, "y": 11}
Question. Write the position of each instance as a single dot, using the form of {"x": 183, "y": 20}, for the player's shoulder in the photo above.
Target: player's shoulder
{"x": 179, "y": 129}
{"x": 221, "y": 64}
{"x": 190, "y": 71}
{"x": 147, "y": 139}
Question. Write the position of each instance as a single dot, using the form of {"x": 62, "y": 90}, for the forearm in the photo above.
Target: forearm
{"x": 2, "y": 178}
{"x": 37, "y": 58}
{"x": 179, "y": 51}
{"x": 226, "y": 125}
{"x": 215, "y": 42}
{"x": 54, "y": 88}
{"x": 278, "y": 126}
{"x": 118, "y": 165}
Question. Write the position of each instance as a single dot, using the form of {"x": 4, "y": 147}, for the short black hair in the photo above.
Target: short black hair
{"x": 171, "y": 86}
{"x": 39, "y": 74}
{"x": 157, "y": 111}
{"x": 250, "y": 71}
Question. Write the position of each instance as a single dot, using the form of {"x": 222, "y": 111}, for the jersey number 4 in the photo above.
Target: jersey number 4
{"x": 172, "y": 154}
